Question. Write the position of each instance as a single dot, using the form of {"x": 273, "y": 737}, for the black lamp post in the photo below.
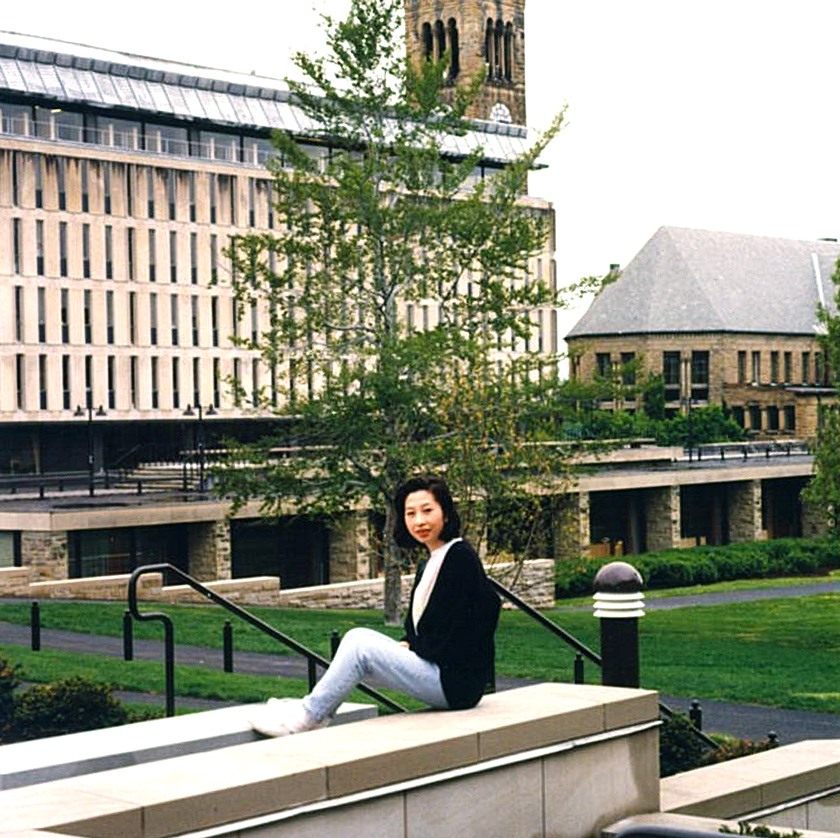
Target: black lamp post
{"x": 211, "y": 411}
{"x": 80, "y": 411}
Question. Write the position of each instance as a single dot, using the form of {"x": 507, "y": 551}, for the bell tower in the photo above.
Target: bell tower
{"x": 484, "y": 37}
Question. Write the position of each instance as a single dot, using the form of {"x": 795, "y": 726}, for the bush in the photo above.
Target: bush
{"x": 67, "y": 706}
{"x": 680, "y": 748}
{"x": 704, "y": 565}
{"x": 9, "y": 681}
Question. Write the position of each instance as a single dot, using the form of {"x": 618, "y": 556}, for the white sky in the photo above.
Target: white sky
{"x": 720, "y": 114}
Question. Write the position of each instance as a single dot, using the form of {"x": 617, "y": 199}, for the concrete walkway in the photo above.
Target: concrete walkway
{"x": 745, "y": 721}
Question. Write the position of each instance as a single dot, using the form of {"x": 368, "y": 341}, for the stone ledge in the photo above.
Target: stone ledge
{"x": 78, "y": 754}
{"x": 709, "y": 826}
{"x": 159, "y": 799}
{"x": 749, "y": 784}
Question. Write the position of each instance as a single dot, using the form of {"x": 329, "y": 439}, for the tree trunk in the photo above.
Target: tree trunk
{"x": 393, "y": 573}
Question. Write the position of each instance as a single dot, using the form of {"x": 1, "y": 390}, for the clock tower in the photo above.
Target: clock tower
{"x": 485, "y": 37}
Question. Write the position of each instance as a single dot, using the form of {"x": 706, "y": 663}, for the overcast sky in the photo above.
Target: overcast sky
{"x": 721, "y": 114}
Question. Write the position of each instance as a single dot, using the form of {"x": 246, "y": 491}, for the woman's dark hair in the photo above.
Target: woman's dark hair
{"x": 437, "y": 486}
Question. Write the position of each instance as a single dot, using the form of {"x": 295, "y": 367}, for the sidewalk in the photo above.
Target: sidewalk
{"x": 741, "y": 720}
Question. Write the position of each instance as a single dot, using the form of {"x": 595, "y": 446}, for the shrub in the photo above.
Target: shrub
{"x": 66, "y": 706}
{"x": 9, "y": 681}
{"x": 704, "y": 565}
{"x": 680, "y": 749}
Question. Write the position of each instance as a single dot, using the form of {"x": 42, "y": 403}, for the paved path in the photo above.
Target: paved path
{"x": 746, "y": 721}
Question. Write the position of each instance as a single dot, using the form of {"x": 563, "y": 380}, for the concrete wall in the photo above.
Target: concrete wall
{"x": 550, "y": 759}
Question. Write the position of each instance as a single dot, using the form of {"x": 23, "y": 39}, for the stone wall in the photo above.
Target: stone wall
{"x": 209, "y": 550}
{"x": 663, "y": 518}
{"x": 350, "y": 548}
{"x": 45, "y": 553}
{"x": 533, "y": 581}
{"x": 745, "y": 511}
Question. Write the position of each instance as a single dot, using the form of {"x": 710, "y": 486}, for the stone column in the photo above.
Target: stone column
{"x": 745, "y": 511}
{"x": 209, "y": 551}
{"x": 813, "y": 520}
{"x": 571, "y": 526}
{"x": 662, "y": 518}
{"x": 349, "y": 546}
{"x": 46, "y": 553}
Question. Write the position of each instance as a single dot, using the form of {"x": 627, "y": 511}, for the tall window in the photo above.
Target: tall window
{"x": 194, "y": 258}
{"x": 42, "y": 315}
{"x": 603, "y": 365}
{"x": 19, "y": 313}
{"x": 39, "y": 246}
{"x": 671, "y": 375}
{"x": 155, "y": 383}
{"x": 196, "y": 380}
{"x": 61, "y": 182}
{"x": 20, "y": 381}
{"x": 173, "y": 318}
{"x": 171, "y": 192}
{"x": 774, "y": 367}
{"x": 132, "y": 317}
{"x": 88, "y": 317}
{"x": 62, "y": 248}
{"x": 84, "y": 177}
{"x": 65, "y": 382}
{"x": 194, "y": 324}
{"x": 109, "y": 316}
{"x": 132, "y": 380}
{"x": 742, "y": 367}
{"x": 109, "y": 252}
{"x": 756, "y": 368}
{"x": 173, "y": 256}
{"x": 131, "y": 247}
{"x": 153, "y": 319}
{"x": 17, "y": 245}
{"x": 106, "y": 188}
{"x": 214, "y": 319}
{"x": 112, "y": 381}
{"x": 176, "y": 383}
{"x": 42, "y": 382}
{"x": 65, "y": 316}
{"x": 217, "y": 383}
{"x": 788, "y": 367}
{"x": 700, "y": 376}
{"x": 152, "y": 259}
{"x": 86, "y": 251}
{"x": 806, "y": 367}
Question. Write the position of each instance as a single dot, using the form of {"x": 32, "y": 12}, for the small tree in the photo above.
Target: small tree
{"x": 382, "y": 226}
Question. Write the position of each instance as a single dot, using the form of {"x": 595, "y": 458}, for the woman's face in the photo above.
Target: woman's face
{"x": 424, "y": 518}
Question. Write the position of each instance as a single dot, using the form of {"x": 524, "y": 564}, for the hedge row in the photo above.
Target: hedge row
{"x": 704, "y": 565}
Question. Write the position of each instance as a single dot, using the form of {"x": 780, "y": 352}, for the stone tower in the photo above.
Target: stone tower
{"x": 481, "y": 36}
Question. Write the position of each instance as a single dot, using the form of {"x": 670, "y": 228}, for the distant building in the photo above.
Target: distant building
{"x": 725, "y": 319}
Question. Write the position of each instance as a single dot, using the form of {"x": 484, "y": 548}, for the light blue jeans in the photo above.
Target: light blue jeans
{"x": 372, "y": 657}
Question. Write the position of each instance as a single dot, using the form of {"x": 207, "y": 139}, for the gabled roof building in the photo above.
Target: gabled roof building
{"x": 724, "y": 318}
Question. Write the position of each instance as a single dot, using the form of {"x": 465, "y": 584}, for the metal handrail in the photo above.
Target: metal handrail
{"x": 313, "y": 658}
{"x": 579, "y": 647}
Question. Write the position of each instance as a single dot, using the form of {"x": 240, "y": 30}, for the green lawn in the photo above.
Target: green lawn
{"x": 783, "y": 652}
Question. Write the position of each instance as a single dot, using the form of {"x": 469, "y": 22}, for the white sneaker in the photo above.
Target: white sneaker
{"x": 282, "y": 717}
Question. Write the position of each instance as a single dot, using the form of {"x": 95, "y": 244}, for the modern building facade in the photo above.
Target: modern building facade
{"x": 122, "y": 181}
{"x": 725, "y": 319}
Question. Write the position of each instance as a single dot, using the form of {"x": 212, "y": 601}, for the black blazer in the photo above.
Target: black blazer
{"x": 457, "y": 626}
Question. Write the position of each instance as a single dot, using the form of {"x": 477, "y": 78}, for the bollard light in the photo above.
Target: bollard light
{"x": 619, "y": 603}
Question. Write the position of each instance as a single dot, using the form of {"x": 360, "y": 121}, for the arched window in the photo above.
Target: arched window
{"x": 440, "y": 39}
{"x": 454, "y": 57}
{"x": 509, "y": 52}
{"x": 498, "y": 37}
{"x": 428, "y": 41}
{"x": 488, "y": 48}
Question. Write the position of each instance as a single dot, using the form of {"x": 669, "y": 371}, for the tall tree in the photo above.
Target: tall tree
{"x": 824, "y": 488}
{"x": 396, "y": 282}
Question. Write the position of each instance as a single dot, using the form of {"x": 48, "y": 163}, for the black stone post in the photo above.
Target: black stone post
{"x": 619, "y": 602}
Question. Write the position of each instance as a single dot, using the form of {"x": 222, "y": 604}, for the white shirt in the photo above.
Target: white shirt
{"x": 427, "y": 581}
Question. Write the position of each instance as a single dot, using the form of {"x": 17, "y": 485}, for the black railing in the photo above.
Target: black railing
{"x": 313, "y": 658}
{"x": 581, "y": 649}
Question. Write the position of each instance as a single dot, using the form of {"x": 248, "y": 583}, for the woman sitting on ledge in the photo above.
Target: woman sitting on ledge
{"x": 446, "y": 656}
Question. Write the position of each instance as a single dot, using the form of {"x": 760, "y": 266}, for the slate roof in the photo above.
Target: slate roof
{"x": 686, "y": 280}
{"x": 90, "y": 76}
